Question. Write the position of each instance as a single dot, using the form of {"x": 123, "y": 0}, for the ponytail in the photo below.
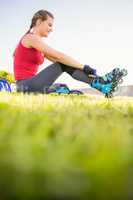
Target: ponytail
{"x": 29, "y": 29}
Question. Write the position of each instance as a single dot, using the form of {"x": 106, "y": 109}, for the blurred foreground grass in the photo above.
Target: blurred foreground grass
{"x": 65, "y": 147}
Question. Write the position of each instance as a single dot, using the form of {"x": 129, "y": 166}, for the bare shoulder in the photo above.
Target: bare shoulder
{"x": 29, "y": 39}
{"x": 36, "y": 42}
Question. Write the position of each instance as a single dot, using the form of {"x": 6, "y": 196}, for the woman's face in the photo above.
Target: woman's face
{"x": 46, "y": 27}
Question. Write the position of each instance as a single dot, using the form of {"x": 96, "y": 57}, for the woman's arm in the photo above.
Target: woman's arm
{"x": 51, "y": 59}
{"x": 33, "y": 41}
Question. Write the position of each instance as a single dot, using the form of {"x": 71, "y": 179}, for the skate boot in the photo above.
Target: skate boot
{"x": 115, "y": 77}
{"x": 106, "y": 88}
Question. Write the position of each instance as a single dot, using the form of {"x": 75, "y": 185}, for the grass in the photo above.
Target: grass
{"x": 65, "y": 147}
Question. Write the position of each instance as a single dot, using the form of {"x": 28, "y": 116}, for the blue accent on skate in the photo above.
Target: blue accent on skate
{"x": 62, "y": 90}
{"x": 104, "y": 88}
{"x": 4, "y": 86}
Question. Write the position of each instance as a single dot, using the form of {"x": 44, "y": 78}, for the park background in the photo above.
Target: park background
{"x": 98, "y": 33}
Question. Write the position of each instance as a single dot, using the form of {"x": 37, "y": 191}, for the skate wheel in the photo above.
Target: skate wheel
{"x": 115, "y": 84}
{"x": 120, "y": 81}
{"x": 112, "y": 90}
{"x": 115, "y": 89}
{"x": 109, "y": 95}
{"x": 124, "y": 72}
{"x": 106, "y": 95}
{"x": 116, "y": 71}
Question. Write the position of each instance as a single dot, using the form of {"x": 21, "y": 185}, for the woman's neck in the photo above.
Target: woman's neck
{"x": 35, "y": 31}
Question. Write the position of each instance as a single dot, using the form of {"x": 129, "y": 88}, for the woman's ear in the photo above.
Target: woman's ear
{"x": 38, "y": 22}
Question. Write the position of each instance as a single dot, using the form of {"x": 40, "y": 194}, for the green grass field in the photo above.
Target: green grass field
{"x": 65, "y": 147}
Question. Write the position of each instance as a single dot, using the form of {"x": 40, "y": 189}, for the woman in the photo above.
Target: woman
{"x": 31, "y": 52}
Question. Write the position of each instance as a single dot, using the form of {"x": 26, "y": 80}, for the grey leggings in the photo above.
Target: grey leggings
{"x": 41, "y": 82}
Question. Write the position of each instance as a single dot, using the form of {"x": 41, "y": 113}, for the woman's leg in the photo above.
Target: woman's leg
{"x": 41, "y": 81}
{"x": 77, "y": 74}
{"x": 45, "y": 78}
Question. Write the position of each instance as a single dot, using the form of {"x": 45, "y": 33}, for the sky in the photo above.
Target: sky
{"x": 94, "y": 32}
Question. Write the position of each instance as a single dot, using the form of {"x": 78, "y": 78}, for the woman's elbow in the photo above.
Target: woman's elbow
{"x": 56, "y": 56}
